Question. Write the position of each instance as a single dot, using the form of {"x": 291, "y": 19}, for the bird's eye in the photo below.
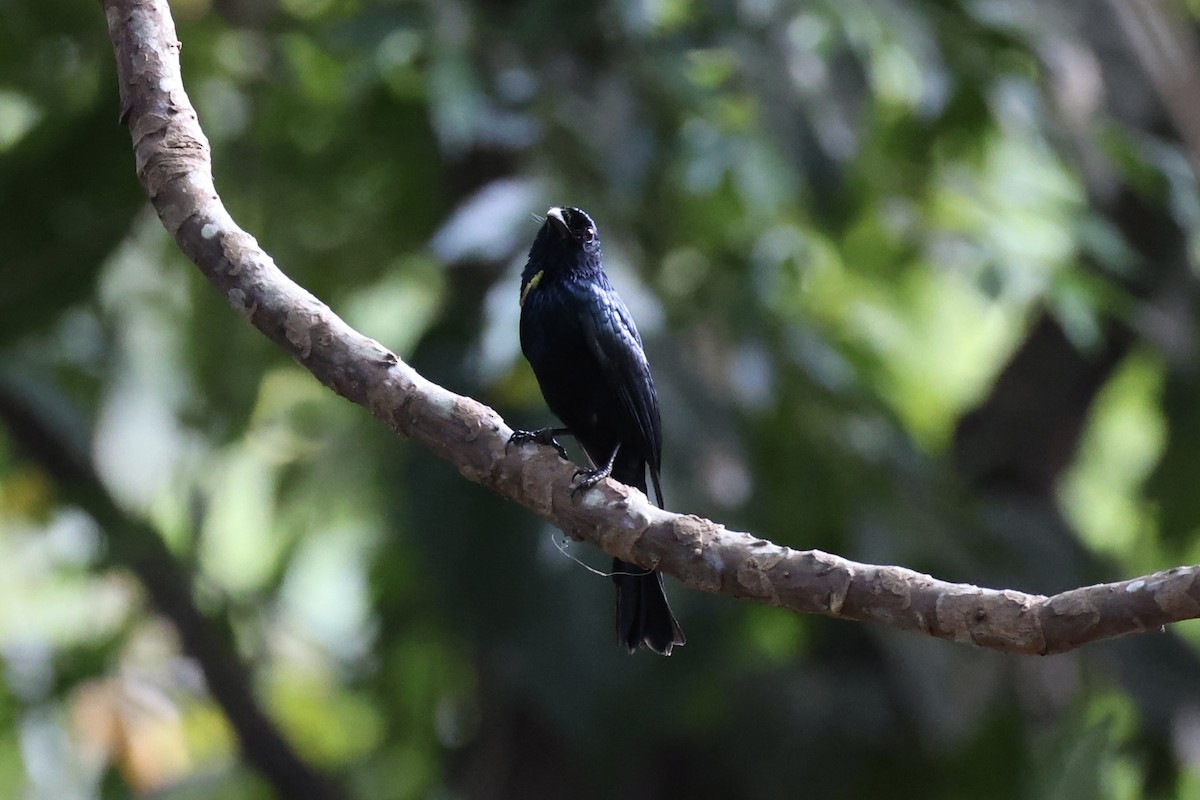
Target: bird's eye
{"x": 588, "y": 234}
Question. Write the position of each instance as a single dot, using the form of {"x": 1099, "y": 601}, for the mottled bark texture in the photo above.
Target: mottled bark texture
{"x": 173, "y": 164}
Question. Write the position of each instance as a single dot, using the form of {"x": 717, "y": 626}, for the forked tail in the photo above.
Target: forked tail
{"x": 643, "y": 615}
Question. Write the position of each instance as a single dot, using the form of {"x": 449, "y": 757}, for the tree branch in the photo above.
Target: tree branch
{"x": 174, "y": 166}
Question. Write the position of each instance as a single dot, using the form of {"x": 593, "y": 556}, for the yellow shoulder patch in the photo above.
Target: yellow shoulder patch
{"x": 529, "y": 287}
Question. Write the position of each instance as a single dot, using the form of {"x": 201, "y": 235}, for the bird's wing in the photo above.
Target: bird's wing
{"x": 613, "y": 340}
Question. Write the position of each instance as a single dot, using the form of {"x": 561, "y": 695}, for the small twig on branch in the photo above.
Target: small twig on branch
{"x": 174, "y": 166}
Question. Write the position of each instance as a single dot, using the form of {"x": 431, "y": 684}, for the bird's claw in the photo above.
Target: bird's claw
{"x": 542, "y": 436}
{"x": 589, "y": 478}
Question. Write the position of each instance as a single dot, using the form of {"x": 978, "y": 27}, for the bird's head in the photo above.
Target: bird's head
{"x": 573, "y": 223}
{"x": 567, "y": 243}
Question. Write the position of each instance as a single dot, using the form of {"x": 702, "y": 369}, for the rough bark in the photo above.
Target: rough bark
{"x": 173, "y": 164}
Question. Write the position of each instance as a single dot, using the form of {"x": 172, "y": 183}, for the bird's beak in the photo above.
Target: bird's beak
{"x": 556, "y": 214}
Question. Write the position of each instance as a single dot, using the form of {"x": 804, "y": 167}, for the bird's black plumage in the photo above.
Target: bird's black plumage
{"x": 587, "y": 356}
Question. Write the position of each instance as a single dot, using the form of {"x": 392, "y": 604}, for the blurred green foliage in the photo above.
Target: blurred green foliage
{"x": 835, "y": 221}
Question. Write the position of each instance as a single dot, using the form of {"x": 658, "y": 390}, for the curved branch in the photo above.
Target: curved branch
{"x": 174, "y": 166}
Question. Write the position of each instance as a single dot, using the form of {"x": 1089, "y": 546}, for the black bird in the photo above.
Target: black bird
{"x": 587, "y": 355}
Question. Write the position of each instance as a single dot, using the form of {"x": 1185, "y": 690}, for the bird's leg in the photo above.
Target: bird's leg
{"x": 543, "y": 436}
{"x": 590, "y": 478}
